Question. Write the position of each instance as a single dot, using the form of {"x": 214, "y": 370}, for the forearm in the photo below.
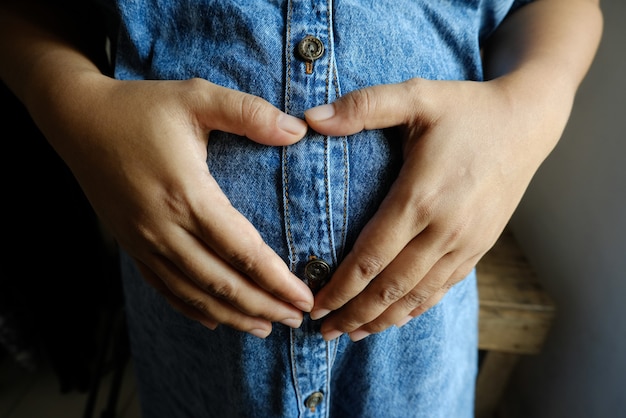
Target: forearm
{"x": 556, "y": 40}
{"x": 43, "y": 50}
{"x": 50, "y": 61}
{"x": 540, "y": 55}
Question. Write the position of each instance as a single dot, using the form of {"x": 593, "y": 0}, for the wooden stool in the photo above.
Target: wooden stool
{"x": 515, "y": 316}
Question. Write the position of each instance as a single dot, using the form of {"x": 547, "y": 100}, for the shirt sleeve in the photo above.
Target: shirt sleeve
{"x": 519, "y": 3}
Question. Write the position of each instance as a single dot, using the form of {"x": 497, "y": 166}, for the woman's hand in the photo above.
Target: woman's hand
{"x": 471, "y": 149}
{"x": 139, "y": 149}
{"x": 469, "y": 155}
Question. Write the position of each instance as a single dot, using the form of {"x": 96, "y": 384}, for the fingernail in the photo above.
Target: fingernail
{"x": 292, "y": 322}
{"x": 358, "y": 335}
{"x": 292, "y": 124}
{"x": 331, "y": 335}
{"x": 209, "y": 324}
{"x": 303, "y": 306}
{"x": 404, "y": 321}
{"x": 320, "y": 113}
{"x": 261, "y": 333}
{"x": 319, "y": 313}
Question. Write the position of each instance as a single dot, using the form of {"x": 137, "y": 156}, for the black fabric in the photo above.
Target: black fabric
{"x": 57, "y": 275}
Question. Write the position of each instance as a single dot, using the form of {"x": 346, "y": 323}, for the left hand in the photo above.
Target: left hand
{"x": 468, "y": 158}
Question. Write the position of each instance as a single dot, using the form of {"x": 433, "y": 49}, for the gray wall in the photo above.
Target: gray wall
{"x": 572, "y": 226}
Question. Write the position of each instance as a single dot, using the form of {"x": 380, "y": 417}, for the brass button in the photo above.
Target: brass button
{"x": 316, "y": 272}
{"x": 310, "y": 48}
{"x": 314, "y": 400}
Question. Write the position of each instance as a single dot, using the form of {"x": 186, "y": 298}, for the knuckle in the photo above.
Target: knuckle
{"x": 247, "y": 262}
{"x": 390, "y": 293}
{"x": 412, "y": 84}
{"x": 242, "y": 261}
{"x": 448, "y": 286}
{"x": 147, "y": 234}
{"x": 177, "y": 203}
{"x": 253, "y": 110}
{"x": 369, "y": 267}
{"x": 417, "y": 90}
{"x": 247, "y": 257}
{"x": 414, "y": 299}
{"x": 455, "y": 234}
{"x": 194, "y": 83}
{"x": 189, "y": 87}
{"x": 193, "y": 90}
{"x": 425, "y": 207}
{"x": 361, "y": 102}
{"x": 196, "y": 303}
{"x": 222, "y": 290}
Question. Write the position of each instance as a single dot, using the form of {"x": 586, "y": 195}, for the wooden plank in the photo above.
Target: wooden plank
{"x": 513, "y": 330}
{"x": 515, "y": 311}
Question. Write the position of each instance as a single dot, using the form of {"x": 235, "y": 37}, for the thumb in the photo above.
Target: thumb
{"x": 376, "y": 107}
{"x": 247, "y": 115}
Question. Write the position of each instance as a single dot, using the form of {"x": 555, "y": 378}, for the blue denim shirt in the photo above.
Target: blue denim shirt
{"x": 309, "y": 199}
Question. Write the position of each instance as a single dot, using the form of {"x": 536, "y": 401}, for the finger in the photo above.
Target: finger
{"x": 395, "y": 315}
{"x": 154, "y": 281}
{"x": 222, "y": 312}
{"x": 401, "y": 311}
{"x": 375, "y": 107}
{"x": 247, "y": 115}
{"x": 210, "y": 309}
{"x": 459, "y": 275}
{"x": 444, "y": 275}
{"x": 235, "y": 240}
{"x": 396, "y": 282}
{"x": 396, "y": 223}
{"x": 370, "y": 255}
{"x": 216, "y": 276}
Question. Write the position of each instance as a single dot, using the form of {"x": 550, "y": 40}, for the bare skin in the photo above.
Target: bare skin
{"x": 138, "y": 149}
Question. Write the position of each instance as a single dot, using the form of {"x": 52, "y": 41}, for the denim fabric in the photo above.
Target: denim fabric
{"x": 308, "y": 199}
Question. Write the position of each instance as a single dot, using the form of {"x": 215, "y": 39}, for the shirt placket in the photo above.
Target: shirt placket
{"x": 315, "y": 192}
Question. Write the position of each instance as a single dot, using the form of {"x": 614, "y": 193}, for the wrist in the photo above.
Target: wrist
{"x": 542, "y": 105}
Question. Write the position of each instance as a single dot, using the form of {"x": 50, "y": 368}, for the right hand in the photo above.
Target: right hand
{"x": 138, "y": 150}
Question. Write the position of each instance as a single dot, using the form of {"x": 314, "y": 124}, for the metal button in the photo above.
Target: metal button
{"x": 317, "y": 272}
{"x": 314, "y": 400}
{"x": 310, "y": 48}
